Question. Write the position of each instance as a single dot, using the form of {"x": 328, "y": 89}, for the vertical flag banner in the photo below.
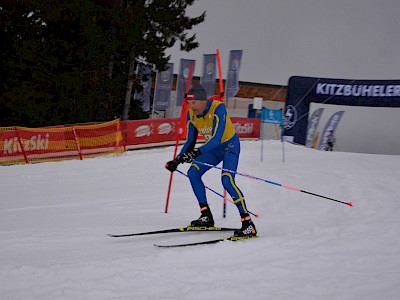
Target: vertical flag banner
{"x": 145, "y": 73}
{"x": 209, "y": 73}
{"x": 184, "y": 70}
{"x": 232, "y": 81}
{"x": 312, "y": 126}
{"x": 330, "y": 127}
{"x": 163, "y": 87}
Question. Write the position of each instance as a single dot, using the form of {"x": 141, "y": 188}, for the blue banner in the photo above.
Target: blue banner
{"x": 312, "y": 126}
{"x": 184, "y": 70}
{"x": 271, "y": 116}
{"x": 144, "y": 74}
{"x": 163, "y": 87}
{"x": 304, "y": 90}
{"x": 329, "y": 129}
{"x": 232, "y": 81}
{"x": 209, "y": 73}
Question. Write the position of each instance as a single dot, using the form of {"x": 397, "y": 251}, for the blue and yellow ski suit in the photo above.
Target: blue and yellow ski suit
{"x": 221, "y": 144}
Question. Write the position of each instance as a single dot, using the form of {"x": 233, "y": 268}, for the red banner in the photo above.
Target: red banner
{"x": 140, "y": 132}
{"x": 151, "y": 131}
{"x": 247, "y": 128}
{"x": 23, "y": 145}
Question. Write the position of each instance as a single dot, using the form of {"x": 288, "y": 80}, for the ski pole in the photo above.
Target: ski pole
{"x": 215, "y": 192}
{"x": 271, "y": 182}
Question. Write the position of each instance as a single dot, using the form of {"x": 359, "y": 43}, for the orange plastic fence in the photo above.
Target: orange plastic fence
{"x": 27, "y": 145}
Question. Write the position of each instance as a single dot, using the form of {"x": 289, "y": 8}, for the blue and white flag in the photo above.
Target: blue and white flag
{"x": 329, "y": 129}
{"x": 145, "y": 74}
{"x": 209, "y": 73}
{"x": 163, "y": 87}
{"x": 232, "y": 82}
{"x": 271, "y": 116}
{"x": 184, "y": 70}
{"x": 312, "y": 126}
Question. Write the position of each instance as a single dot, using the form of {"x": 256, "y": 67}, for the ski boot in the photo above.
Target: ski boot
{"x": 248, "y": 227}
{"x": 206, "y": 218}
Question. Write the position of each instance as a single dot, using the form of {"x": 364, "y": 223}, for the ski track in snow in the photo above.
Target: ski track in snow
{"x": 55, "y": 217}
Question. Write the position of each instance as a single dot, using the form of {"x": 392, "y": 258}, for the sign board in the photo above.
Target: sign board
{"x": 257, "y": 103}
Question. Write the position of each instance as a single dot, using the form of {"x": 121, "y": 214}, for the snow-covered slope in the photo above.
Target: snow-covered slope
{"x": 55, "y": 217}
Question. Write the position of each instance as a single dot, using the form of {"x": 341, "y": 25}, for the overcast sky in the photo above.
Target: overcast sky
{"x": 350, "y": 39}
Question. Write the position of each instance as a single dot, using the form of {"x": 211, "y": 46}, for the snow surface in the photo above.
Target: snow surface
{"x": 55, "y": 217}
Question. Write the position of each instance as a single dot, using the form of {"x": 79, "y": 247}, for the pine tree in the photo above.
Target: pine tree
{"x": 74, "y": 61}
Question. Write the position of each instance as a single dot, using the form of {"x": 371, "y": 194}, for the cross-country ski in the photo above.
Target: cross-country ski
{"x": 172, "y": 230}
{"x": 230, "y": 239}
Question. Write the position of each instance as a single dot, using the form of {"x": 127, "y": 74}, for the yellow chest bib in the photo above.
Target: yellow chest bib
{"x": 205, "y": 124}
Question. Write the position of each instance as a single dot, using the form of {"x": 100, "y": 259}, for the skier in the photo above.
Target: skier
{"x": 210, "y": 118}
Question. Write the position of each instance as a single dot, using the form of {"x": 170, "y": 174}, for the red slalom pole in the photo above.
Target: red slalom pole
{"x": 221, "y": 85}
{"x": 271, "y": 182}
{"x": 181, "y": 132}
{"x": 222, "y": 196}
{"x": 221, "y": 98}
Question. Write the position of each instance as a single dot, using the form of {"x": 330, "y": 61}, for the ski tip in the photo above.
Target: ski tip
{"x": 241, "y": 238}
{"x": 113, "y": 235}
{"x": 256, "y": 215}
{"x": 349, "y": 204}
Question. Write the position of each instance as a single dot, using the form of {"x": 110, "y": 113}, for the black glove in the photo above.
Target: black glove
{"x": 172, "y": 165}
{"x": 189, "y": 156}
